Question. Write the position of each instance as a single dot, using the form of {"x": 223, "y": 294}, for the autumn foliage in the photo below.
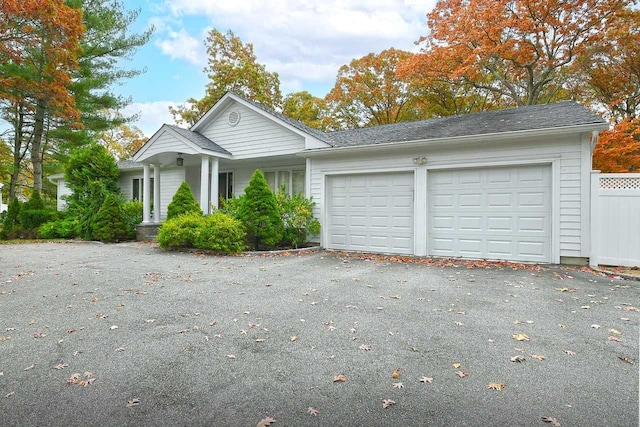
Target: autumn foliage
{"x": 618, "y": 150}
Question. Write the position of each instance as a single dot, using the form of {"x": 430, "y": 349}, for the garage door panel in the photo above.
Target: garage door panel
{"x": 378, "y": 212}
{"x": 499, "y": 213}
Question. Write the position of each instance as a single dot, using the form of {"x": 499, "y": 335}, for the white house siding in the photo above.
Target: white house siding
{"x": 242, "y": 171}
{"x": 125, "y": 182}
{"x": 253, "y": 136}
{"x": 170, "y": 180}
{"x": 63, "y": 190}
{"x": 192, "y": 177}
{"x": 564, "y": 152}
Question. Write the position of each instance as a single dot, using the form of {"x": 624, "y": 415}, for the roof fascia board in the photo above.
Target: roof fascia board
{"x": 502, "y": 136}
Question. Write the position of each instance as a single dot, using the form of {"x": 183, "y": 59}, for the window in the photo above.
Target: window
{"x": 138, "y": 184}
{"x": 292, "y": 180}
{"x": 225, "y": 185}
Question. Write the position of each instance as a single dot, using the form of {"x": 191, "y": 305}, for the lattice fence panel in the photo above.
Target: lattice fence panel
{"x": 620, "y": 183}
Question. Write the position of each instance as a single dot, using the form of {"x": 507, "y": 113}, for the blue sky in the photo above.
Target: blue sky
{"x": 305, "y": 41}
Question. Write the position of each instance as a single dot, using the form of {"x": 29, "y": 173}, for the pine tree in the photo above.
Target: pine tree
{"x": 110, "y": 224}
{"x": 260, "y": 214}
{"x": 183, "y": 202}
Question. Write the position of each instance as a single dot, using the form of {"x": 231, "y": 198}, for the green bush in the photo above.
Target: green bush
{"x": 221, "y": 233}
{"x": 64, "y": 228}
{"x": 180, "y": 232}
{"x": 230, "y": 206}
{"x": 259, "y": 213}
{"x": 11, "y": 222}
{"x": 110, "y": 224}
{"x": 297, "y": 216}
{"x": 182, "y": 203}
{"x": 33, "y": 214}
{"x": 132, "y": 211}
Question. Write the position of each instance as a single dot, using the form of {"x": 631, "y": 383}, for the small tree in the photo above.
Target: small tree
{"x": 33, "y": 214}
{"x": 182, "y": 203}
{"x": 260, "y": 214}
{"x": 110, "y": 224}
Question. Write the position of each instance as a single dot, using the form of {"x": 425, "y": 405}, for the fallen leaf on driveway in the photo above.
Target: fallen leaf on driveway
{"x": 38, "y": 335}
{"x": 387, "y": 402}
{"x": 120, "y": 349}
{"x": 364, "y": 347}
{"x": 5, "y": 338}
{"x": 553, "y": 421}
{"x": 586, "y": 307}
{"x": 462, "y": 374}
{"x": 231, "y": 356}
{"x": 61, "y": 366}
{"x": 9, "y": 394}
{"x": 521, "y": 337}
{"x": 566, "y": 290}
{"x": 518, "y": 359}
{"x": 625, "y": 359}
{"x": 133, "y": 402}
{"x": 595, "y": 326}
{"x": 339, "y": 378}
{"x": 30, "y": 367}
{"x": 260, "y": 340}
{"x": 496, "y": 386}
{"x": 456, "y": 365}
{"x": 612, "y": 338}
{"x": 426, "y": 380}
{"x": 398, "y": 385}
{"x": 101, "y": 316}
{"x": 266, "y": 422}
{"x": 615, "y": 331}
{"x": 293, "y": 338}
{"x": 312, "y": 411}
{"x": 570, "y": 352}
{"x": 395, "y": 373}
{"x": 113, "y": 327}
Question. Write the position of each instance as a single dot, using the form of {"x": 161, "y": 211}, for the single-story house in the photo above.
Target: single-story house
{"x": 511, "y": 184}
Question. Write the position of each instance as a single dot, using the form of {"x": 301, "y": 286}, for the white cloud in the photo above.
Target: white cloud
{"x": 181, "y": 45}
{"x": 152, "y": 115}
{"x": 307, "y": 40}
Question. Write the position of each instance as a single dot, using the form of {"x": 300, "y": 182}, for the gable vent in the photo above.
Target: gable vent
{"x": 233, "y": 118}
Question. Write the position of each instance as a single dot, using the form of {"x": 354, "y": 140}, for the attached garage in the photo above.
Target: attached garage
{"x": 494, "y": 213}
{"x": 371, "y": 212}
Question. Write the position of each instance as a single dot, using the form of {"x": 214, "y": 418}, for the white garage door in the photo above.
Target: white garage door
{"x": 370, "y": 212}
{"x": 494, "y": 213}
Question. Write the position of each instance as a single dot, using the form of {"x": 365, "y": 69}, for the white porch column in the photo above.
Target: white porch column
{"x": 156, "y": 194}
{"x": 214, "y": 182}
{"x": 421, "y": 212}
{"x": 204, "y": 184}
{"x": 146, "y": 189}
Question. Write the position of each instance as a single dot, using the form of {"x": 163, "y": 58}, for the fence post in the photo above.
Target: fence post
{"x": 595, "y": 218}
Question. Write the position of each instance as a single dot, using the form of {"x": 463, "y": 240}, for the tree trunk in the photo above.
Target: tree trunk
{"x": 36, "y": 144}
{"x": 17, "y": 151}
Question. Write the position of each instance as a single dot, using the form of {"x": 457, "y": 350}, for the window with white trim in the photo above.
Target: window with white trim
{"x": 291, "y": 179}
{"x": 137, "y": 188}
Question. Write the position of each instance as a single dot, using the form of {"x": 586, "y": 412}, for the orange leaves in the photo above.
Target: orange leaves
{"x": 340, "y": 378}
{"x": 618, "y": 150}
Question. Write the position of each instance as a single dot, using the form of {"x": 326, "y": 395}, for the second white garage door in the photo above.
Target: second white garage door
{"x": 370, "y": 212}
{"x": 494, "y": 213}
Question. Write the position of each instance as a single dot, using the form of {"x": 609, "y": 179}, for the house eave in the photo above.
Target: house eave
{"x": 458, "y": 140}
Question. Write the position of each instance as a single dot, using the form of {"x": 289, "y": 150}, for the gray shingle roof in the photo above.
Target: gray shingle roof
{"x": 129, "y": 164}
{"x": 557, "y": 115}
{"x": 198, "y": 139}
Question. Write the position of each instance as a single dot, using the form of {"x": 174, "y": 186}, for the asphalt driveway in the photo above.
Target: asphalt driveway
{"x": 127, "y": 334}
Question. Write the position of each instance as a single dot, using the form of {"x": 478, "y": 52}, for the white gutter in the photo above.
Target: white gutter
{"x": 496, "y": 136}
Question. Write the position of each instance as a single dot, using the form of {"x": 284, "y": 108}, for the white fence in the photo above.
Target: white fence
{"x": 615, "y": 219}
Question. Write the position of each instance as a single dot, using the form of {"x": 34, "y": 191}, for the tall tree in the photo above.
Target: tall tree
{"x": 232, "y": 67}
{"x": 369, "y": 92}
{"x": 612, "y": 72}
{"x": 306, "y": 108}
{"x": 520, "y": 50}
{"x": 618, "y": 149}
{"x": 38, "y": 53}
{"x": 122, "y": 142}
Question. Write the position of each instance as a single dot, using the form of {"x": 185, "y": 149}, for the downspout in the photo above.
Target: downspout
{"x": 594, "y": 141}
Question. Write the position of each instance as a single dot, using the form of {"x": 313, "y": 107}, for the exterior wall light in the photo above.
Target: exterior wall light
{"x": 419, "y": 160}
{"x": 179, "y": 160}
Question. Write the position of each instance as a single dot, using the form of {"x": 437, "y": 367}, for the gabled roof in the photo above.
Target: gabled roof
{"x": 537, "y": 117}
{"x": 293, "y": 122}
{"x": 199, "y": 139}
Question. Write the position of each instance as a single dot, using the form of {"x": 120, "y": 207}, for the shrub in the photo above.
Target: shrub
{"x": 180, "y": 232}
{"x": 259, "y": 213}
{"x": 221, "y": 233}
{"x": 132, "y": 211}
{"x": 110, "y": 224}
{"x": 33, "y": 214}
{"x": 65, "y": 228}
{"x": 182, "y": 203}
{"x": 297, "y": 216}
{"x": 11, "y": 221}
{"x": 230, "y": 206}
